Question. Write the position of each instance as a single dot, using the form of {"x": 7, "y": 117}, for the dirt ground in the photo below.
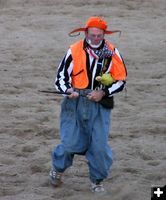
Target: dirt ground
{"x": 33, "y": 40}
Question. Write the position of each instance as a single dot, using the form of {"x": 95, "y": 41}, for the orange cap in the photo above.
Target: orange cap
{"x": 96, "y": 22}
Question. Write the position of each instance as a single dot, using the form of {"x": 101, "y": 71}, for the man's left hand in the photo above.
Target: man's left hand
{"x": 96, "y": 95}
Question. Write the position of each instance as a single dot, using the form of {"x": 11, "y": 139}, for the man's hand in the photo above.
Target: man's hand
{"x": 73, "y": 94}
{"x": 96, "y": 95}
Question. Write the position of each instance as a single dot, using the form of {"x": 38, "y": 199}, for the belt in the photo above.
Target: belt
{"x": 83, "y": 92}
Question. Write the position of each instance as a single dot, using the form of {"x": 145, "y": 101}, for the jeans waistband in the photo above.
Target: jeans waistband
{"x": 83, "y": 92}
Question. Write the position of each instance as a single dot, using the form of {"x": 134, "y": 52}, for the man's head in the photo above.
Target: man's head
{"x": 95, "y": 29}
{"x": 94, "y": 36}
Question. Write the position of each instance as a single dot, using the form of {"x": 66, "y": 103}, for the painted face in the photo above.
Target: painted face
{"x": 94, "y": 35}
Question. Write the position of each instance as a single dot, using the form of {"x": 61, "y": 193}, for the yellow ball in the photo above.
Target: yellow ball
{"x": 106, "y": 79}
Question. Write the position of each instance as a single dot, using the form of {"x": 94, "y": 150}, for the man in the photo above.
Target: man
{"x": 84, "y": 125}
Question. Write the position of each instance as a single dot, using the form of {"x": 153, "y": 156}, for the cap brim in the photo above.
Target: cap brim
{"x": 83, "y": 30}
{"x": 77, "y": 30}
{"x": 111, "y": 32}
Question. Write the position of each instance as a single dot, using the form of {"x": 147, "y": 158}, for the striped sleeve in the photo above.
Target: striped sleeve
{"x": 115, "y": 88}
{"x": 62, "y": 80}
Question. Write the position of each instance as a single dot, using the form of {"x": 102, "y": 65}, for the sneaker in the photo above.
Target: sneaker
{"x": 97, "y": 187}
{"x": 55, "y": 178}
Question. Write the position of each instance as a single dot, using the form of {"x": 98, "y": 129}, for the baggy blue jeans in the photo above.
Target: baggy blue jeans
{"x": 84, "y": 129}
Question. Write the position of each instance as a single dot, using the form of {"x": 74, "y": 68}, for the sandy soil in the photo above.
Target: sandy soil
{"x": 33, "y": 40}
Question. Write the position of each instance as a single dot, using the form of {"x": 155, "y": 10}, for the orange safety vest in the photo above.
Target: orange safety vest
{"x": 79, "y": 75}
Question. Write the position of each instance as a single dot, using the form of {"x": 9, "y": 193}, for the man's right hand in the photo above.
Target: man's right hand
{"x": 73, "y": 94}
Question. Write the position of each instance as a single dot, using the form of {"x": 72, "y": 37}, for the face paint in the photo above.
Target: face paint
{"x": 94, "y": 37}
{"x": 93, "y": 45}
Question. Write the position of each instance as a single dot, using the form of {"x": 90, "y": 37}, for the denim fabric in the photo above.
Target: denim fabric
{"x": 84, "y": 129}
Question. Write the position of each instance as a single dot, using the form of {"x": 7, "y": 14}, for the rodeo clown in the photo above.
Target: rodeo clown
{"x": 91, "y": 72}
